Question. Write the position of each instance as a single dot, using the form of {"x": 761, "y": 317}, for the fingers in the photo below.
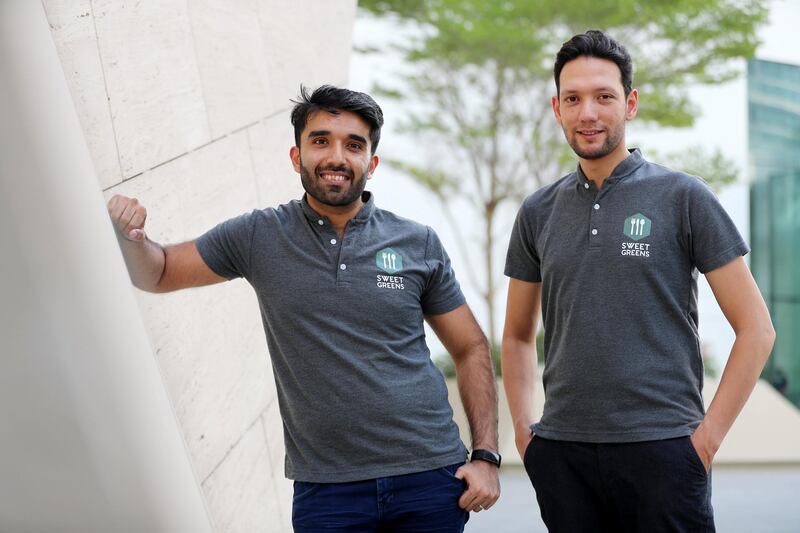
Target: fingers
{"x": 483, "y": 486}
{"x": 136, "y": 224}
{"x": 136, "y": 235}
{"x": 477, "y": 499}
{"x": 127, "y": 213}
{"x": 128, "y": 217}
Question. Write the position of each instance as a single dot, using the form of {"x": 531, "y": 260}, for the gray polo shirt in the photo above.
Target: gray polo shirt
{"x": 359, "y": 395}
{"x": 619, "y": 271}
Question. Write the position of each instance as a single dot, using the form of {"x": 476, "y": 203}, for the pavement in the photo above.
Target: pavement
{"x": 746, "y": 499}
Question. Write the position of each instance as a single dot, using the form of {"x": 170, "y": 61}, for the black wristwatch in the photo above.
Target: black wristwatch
{"x": 486, "y": 455}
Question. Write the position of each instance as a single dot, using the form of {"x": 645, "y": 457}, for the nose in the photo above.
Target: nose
{"x": 587, "y": 111}
{"x": 336, "y": 156}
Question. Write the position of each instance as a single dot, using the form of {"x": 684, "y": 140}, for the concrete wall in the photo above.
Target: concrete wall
{"x": 184, "y": 104}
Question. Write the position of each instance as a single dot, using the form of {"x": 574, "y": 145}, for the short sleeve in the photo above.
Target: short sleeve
{"x": 226, "y": 247}
{"x": 442, "y": 292}
{"x": 713, "y": 239}
{"x": 522, "y": 260}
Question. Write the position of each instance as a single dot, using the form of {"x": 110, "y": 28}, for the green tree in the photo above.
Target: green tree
{"x": 477, "y": 81}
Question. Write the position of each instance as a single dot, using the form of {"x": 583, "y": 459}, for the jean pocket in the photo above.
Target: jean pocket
{"x": 303, "y": 489}
{"x": 449, "y": 472}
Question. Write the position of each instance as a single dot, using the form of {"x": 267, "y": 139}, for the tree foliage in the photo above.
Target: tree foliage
{"x": 478, "y": 77}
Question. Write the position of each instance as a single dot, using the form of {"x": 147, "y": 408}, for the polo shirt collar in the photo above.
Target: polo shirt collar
{"x": 363, "y": 214}
{"x": 623, "y": 170}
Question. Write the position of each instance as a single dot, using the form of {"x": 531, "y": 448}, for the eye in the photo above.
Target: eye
{"x": 356, "y": 147}
{"x": 606, "y": 97}
{"x": 571, "y": 99}
{"x": 319, "y": 140}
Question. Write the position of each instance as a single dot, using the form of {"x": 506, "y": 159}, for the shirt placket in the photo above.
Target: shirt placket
{"x": 598, "y": 216}
{"x": 333, "y": 247}
{"x": 344, "y": 254}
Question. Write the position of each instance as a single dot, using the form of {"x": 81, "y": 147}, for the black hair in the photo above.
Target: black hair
{"x": 595, "y": 43}
{"x": 335, "y": 100}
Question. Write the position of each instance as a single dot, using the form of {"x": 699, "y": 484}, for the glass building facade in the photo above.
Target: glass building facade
{"x": 774, "y": 145}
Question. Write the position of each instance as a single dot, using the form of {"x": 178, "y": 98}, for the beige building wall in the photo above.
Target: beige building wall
{"x": 767, "y": 431}
{"x": 184, "y": 104}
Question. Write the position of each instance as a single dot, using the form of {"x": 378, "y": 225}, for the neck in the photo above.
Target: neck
{"x": 339, "y": 215}
{"x": 598, "y": 170}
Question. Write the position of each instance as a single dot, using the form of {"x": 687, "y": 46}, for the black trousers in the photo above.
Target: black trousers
{"x": 653, "y": 486}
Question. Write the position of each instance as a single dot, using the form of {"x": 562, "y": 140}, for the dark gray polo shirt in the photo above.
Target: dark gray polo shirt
{"x": 619, "y": 272}
{"x": 359, "y": 395}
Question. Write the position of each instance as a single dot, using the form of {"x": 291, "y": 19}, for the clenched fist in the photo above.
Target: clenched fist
{"x": 128, "y": 216}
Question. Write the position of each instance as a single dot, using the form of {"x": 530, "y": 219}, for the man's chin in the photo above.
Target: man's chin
{"x": 337, "y": 200}
{"x": 591, "y": 153}
{"x": 592, "y": 156}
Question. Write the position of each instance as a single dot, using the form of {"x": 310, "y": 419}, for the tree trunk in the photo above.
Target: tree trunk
{"x": 489, "y": 294}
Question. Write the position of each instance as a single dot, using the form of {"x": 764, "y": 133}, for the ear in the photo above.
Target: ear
{"x": 556, "y": 108}
{"x": 373, "y": 164}
{"x": 632, "y": 105}
{"x": 294, "y": 155}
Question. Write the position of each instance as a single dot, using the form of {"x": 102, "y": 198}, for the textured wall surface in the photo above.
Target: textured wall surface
{"x": 184, "y": 104}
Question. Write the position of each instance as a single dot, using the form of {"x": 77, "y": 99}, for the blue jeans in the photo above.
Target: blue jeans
{"x": 420, "y": 502}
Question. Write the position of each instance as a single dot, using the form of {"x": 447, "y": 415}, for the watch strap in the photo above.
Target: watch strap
{"x": 486, "y": 455}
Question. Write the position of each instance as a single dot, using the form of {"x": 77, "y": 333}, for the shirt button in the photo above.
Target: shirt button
{"x": 343, "y": 266}
{"x": 320, "y": 222}
{"x": 596, "y": 207}
{"x": 333, "y": 241}
{"x": 594, "y": 232}
{"x": 585, "y": 185}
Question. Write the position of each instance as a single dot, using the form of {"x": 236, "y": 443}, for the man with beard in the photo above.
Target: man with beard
{"x": 610, "y": 256}
{"x": 344, "y": 287}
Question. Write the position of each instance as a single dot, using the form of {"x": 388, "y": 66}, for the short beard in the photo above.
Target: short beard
{"x": 613, "y": 138}
{"x": 334, "y": 196}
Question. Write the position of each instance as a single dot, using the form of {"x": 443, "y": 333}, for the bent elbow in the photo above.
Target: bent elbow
{"x": 769, "y": 336}
{"x": 764, "y": 339}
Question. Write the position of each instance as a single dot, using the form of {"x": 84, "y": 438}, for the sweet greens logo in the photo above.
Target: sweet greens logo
{"x": 637, "y": 227}
{"x": 389, "y": 261}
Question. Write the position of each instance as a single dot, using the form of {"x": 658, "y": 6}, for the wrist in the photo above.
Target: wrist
{"x": 523, "y": 428}
{"x": 487, "y": 456}
{"x": 708, "y": 436}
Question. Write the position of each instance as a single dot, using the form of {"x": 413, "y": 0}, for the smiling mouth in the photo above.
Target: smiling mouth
{"x": 334, "y": 176}
{"x": 589, "y": 133}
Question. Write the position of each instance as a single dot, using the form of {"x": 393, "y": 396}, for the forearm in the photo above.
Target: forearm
{"x": 145, "y": 260}
{"x": 519, "y": 379}
{"x": 478, "y": 391}
{"x": 746, "y": 361}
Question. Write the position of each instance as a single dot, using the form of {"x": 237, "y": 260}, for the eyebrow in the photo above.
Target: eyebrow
{"x": 596, "y": 90}
{"x": 323, "y": 133}
{"x": 358, "y": 138}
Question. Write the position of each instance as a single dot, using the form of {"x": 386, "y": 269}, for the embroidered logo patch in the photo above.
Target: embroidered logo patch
{"x": 389, "y": 261}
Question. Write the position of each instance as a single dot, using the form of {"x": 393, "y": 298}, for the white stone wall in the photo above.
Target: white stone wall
{"x": 184, "y": 104}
